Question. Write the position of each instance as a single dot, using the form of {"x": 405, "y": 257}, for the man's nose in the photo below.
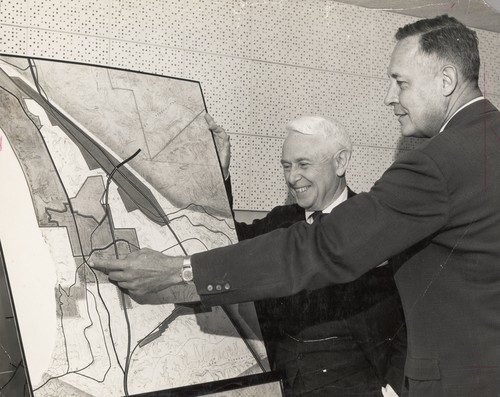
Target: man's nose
{"x": 391, "y": 97}
{"x": 294, "y": 175}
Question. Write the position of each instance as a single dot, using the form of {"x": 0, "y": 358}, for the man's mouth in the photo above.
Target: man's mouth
{"x": 301, "y": 189}
{"x": 401, "y": 116}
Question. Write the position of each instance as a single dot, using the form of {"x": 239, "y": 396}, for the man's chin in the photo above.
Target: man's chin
{"x": 303, "y": 204}
{"x": 411, "y": 133}
{"x": 416, "y": 135}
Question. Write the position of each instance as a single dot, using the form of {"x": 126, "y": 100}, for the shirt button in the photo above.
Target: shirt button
{"x": 218, "y": 287}
{"x": 210, "y": 287}
{"x": 227, "y": 286}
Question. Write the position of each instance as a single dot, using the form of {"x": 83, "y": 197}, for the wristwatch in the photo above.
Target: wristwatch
{"x": 187, "y": 271}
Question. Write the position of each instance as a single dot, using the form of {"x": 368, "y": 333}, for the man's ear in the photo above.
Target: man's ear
{"x": 449, "y": 77}
{"x": 342, "y": 159}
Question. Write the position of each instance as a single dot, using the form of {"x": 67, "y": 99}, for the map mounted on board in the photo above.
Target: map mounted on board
{"x": 100, "y": 162}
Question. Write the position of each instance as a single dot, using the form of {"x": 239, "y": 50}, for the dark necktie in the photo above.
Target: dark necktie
{"x": 315, "y": 215}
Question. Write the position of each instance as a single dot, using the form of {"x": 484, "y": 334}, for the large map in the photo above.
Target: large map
{"x": 96, "y": 163}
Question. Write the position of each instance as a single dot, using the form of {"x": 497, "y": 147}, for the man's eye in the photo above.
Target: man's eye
{"x": 401, "y": 83}
{"x": 303, "y": 165}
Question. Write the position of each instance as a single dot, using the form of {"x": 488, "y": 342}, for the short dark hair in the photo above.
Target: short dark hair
{"x": 448, "y": 39}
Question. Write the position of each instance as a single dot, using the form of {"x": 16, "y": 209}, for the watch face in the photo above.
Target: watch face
{"x": 187, "y": 274}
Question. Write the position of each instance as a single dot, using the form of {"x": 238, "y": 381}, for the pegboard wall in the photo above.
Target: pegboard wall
{"x": 261, "y": 63}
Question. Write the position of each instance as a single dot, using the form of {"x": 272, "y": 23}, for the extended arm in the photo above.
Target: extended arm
{"x": 408, "y": 204}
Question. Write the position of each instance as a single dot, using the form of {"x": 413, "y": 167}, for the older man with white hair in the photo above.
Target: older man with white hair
{"x": 343, "y": 339}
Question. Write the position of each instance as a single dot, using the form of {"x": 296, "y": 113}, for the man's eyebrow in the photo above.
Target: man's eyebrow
{"x": 295, "y": 160}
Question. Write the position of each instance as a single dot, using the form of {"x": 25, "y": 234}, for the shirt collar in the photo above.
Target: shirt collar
{"x": 467, "y": 104}
{"x": 327, "y": 210}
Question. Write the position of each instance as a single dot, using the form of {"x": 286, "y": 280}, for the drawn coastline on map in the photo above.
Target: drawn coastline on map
{"x": 102, "y": 162}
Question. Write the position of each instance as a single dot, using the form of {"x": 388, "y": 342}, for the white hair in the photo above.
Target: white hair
{"x": 328, "y": 128}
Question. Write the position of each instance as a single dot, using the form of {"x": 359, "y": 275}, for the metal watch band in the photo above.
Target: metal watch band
{"x": 187, "y": 270}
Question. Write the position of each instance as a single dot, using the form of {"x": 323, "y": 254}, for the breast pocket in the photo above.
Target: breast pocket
{"x": 422, "y": 368}
{"x": 423, "y": 376}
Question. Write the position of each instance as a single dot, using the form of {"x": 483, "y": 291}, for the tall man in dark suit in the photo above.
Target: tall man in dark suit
{"x": 440, "y": 203}
{"x": 343, "y": 339}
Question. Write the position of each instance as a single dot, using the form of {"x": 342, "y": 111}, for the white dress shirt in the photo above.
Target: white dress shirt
{"x": 327, "y": 210}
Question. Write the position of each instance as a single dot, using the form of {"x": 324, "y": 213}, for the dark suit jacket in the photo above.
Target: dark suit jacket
{"x": 368, "y": 309}
{"x": 443, "y": 200}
